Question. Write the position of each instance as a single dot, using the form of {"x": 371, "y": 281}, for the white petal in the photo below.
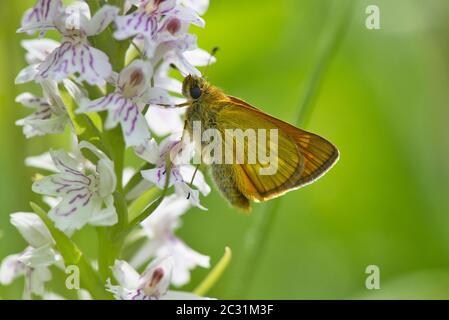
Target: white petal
{"x": 34, "y": 281}
{"x": 84, "y": 295}
{"x": 74, "y": 211}
{"x": 100, "y": 104}
{"x": 43, "y": 161}
{"x": 59, "y": 185}
{"x": 148, "y": 151}
{"x": 27, "y": 74}
{"x": 156, "y": 176}
{"x": 30, "y": 100}
{"x": 135, "y": 77}
{"x": 166, "y": 216}
{"x": 188, "y": 15}
{"x": 74, "y": 90}
{"x": 199, "y": 6}
{"x": 41, "y": 17}
{"x": 125, "y": 275}
{"x": 156, "y": 278}
{"x": 165, "y": 6}
{"x": 187, "y": 172}
{"x": 52, "y": 296}
{"x": 91, "y": 64}
{"x": 38, "y": 127}
{"x": 184, "y": 259}
{"x": 134, "y": 126}
{"x": 156, "y": 96}
{"x": 164, "y": 121}
{"x": 32, "y": 228}
{"x": 101, "y": 19}
{"x": 38, "y": 49}
{"x": 199, "y": 57}
{"x": 123, "y": 110}
{"x": 121, "y": 293}
{"x": 182, "y": 64}
{"x": 138, "y": 22}
{"x": 64, "y": 162}
{"x": 10, "y": 269}
{"x": 106, "y": 216}
{"x": 38, "y": 257}
{"x": 190, "y": 194}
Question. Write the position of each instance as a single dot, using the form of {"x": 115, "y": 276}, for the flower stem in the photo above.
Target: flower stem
{"x": 260, "y": 231}
{"x": 215, "y": 274}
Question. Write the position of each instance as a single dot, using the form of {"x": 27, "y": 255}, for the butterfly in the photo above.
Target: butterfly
{"x": 302, "y": 157}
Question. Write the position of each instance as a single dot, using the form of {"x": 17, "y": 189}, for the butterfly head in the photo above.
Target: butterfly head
{"x": 193, "y": 87}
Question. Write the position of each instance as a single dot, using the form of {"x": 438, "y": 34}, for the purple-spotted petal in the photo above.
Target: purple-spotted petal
{"x": 136, "y": 23}
{"x": 134, "y": 126}
{"x": 158, "y": 176}
{"x": 62, "y": 185}
{"x": 76, "y": 57}
{"x": 41, "y": 17}
{"x": 75, "y": 210}
{"x": 31, "y": 101}
{"x": 65, "y": 163}
{"x": 124, "y": 111}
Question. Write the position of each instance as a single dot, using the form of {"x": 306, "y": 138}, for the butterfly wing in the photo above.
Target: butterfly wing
{"x": 302, "y": 157}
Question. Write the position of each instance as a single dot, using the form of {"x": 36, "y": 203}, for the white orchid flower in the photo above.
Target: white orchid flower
{"x": 49, "y": 116}
{"x": 35, "y": 260}
{"x": 181, "y": 172}
{"x": 74, "y": 56}
{"x": 85, "y": 189}
{"x": 151, "y": 285}
{"x": 160, "y": 228}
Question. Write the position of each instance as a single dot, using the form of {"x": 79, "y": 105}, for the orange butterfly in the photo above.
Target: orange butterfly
{"x": 302, "y": 157}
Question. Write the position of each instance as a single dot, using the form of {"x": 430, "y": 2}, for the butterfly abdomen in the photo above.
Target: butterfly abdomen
{"x": 224, "y": 177}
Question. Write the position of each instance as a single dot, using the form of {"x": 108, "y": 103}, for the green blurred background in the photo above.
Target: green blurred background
{"x": 383, "y": 101}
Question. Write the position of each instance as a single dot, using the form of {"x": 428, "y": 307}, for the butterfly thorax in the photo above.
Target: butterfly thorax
{"x": 205, "y": 108}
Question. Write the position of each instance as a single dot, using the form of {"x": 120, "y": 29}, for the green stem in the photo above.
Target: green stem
{"x": 149, "y": 209}
{"x": 260, "y": 231}
{"x": 136, "y": 178}
{"x": 114, "y": 147}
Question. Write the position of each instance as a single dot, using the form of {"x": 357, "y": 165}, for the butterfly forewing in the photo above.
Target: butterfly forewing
{"x": 301, "y": 156}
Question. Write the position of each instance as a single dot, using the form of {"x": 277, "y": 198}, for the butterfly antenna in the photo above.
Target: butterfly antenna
{"x": 194, "y": 174}
{"x": 213, "y": 52}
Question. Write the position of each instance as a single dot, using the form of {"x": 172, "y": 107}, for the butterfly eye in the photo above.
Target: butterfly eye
{"x": 195, "y": 92}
